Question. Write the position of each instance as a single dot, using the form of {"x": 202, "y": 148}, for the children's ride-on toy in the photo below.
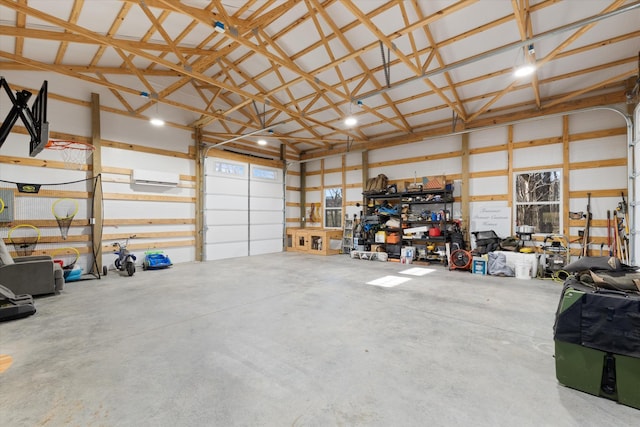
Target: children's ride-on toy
{"x": 155, "y": 260}
{"x": 126, "y": 261}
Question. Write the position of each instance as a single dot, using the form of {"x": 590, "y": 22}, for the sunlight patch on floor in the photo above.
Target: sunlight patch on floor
{"x": 418, "y": 271}
{"x": 389, "y": 281}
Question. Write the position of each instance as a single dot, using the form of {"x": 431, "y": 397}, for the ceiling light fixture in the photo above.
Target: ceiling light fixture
{"x": 525, "y": 67}
{"x": 157, "y": 121}
{"x": 350, "y": 121}
{"x": 262, "y": 141}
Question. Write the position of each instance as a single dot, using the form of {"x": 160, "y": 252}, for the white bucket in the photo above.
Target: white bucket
{"x": 523, "y": 270}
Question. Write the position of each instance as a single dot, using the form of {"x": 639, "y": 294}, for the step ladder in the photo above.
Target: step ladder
{"x": 347, "y": 235}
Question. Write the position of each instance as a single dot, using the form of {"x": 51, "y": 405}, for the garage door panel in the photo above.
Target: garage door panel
{"x": 266, "y": 218}
{"x": 244, "y": 209}
{"x": 227, "y": 186}
{"x": 227, "y": 233}
{"x": 271, "y": 231}
{"x": 269, "y": 204}
{"x": 227, "y": 218}
{"x": 226, "y": 250}
{"x": 266, "y": 246}
{"x": 265, "y": 188}
{"x": 217, "y": 201}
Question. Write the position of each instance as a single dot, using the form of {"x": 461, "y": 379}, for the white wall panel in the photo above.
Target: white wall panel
{"x": 588, "y": 121}
{"x": 536, "y": 157}
{"x": 314, "y": 180}
{"x": 333, "y": 162}
{"x": 353, "y": 176}
{"x": 613, "y": 147}
{"x": 537, "y": 129}
{"x": 488, "y": 185}
{"x": 333, "y": 179}
{"x": 353, "y": 194}
{"x": 489, "y": 161}
{"x": 115, "y": 209}
{"x": 115, "y": 127}
{"x": 424, "y": 148}
{"x": 293, "y": 196}
{"x": 598, "y": 179}
{"x": 313, "y": 196}
{"x": 354, "y": 158}
{"x": 488, "y": 137}
{"x": 313, "y": 165}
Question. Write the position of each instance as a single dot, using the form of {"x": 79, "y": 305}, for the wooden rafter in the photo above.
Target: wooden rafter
{"x": 21, "y": 20}
{"x": 73, "y": 18}
{"x": 436, "y": 53}
{"x": 214, "y": 75}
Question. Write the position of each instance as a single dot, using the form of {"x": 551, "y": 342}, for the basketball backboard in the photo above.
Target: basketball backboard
{"x": 34, "y": 119}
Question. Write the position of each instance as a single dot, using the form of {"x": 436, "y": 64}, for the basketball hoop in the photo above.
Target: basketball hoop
{"x": 74, "y": 154}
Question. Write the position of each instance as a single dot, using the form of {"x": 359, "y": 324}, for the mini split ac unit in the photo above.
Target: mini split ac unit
{"x": 147, "y": 177}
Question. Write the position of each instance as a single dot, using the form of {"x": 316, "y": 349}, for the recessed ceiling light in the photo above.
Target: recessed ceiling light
{"x": 157, "y": 122}
{"x": 350, "y": 121}
{"x": 262, "y": 142}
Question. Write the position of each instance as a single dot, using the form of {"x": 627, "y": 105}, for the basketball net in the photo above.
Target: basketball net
{"x": 24, "y": 238}
{"x": 64, "y": 210}
{"x": 74, "y": 154}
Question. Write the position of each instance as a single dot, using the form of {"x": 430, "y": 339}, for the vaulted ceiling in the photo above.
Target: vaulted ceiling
{"x": 407, "y": 70}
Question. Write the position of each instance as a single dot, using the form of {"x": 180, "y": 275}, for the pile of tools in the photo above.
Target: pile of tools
{"x": 618, "y": 231}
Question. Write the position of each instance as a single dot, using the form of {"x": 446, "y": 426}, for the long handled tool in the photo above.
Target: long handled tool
{"x": 609, "y": 233}
{"x": 622, "y": 221}
{"x": 585, "y": 235}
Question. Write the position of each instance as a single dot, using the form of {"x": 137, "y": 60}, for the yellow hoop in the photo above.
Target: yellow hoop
{"x": 69, "y": 251}
{"x": 69, "y": 215}
{"x": 24, "y": 226}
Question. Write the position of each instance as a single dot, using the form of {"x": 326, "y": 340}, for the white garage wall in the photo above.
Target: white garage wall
{"x": 593, "y": 136}
{"x": 162, "y": 218}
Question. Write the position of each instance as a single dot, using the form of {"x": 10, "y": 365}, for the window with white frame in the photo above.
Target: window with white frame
{"x": 538, "y": 200}
{"x": 333, "y": 207}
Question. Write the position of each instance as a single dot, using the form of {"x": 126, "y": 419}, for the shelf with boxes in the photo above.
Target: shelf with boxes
{"x": 417, "y": 219}
{"x": 314, "y": 240}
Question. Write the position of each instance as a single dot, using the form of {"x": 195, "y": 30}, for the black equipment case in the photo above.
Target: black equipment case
{"x": 597, "y": 342}
{"x": 14, "y": 306}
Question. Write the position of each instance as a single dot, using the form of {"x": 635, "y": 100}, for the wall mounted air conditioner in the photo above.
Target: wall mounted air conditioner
{"x": 158, "y": 178}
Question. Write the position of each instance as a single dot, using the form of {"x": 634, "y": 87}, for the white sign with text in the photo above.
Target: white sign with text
{"x": 496, "y": 218}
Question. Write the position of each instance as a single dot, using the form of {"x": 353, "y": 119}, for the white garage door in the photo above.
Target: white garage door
{"x": 244, "y": 209}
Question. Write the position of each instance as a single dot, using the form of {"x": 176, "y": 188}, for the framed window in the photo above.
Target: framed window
{"x": 222, "y": 167}
{"x": 333, "y": 207}
{"x": 265, "y": 174}
{"x": 537, "y": 200}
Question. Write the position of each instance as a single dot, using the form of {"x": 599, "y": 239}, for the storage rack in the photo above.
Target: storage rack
{"x": 388, "y": 216}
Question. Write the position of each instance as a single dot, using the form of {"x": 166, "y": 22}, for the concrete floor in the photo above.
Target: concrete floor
{"x": 293, "y": 340}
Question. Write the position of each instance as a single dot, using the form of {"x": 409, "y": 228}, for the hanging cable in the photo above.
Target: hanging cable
{"x": 385, "y": 64}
